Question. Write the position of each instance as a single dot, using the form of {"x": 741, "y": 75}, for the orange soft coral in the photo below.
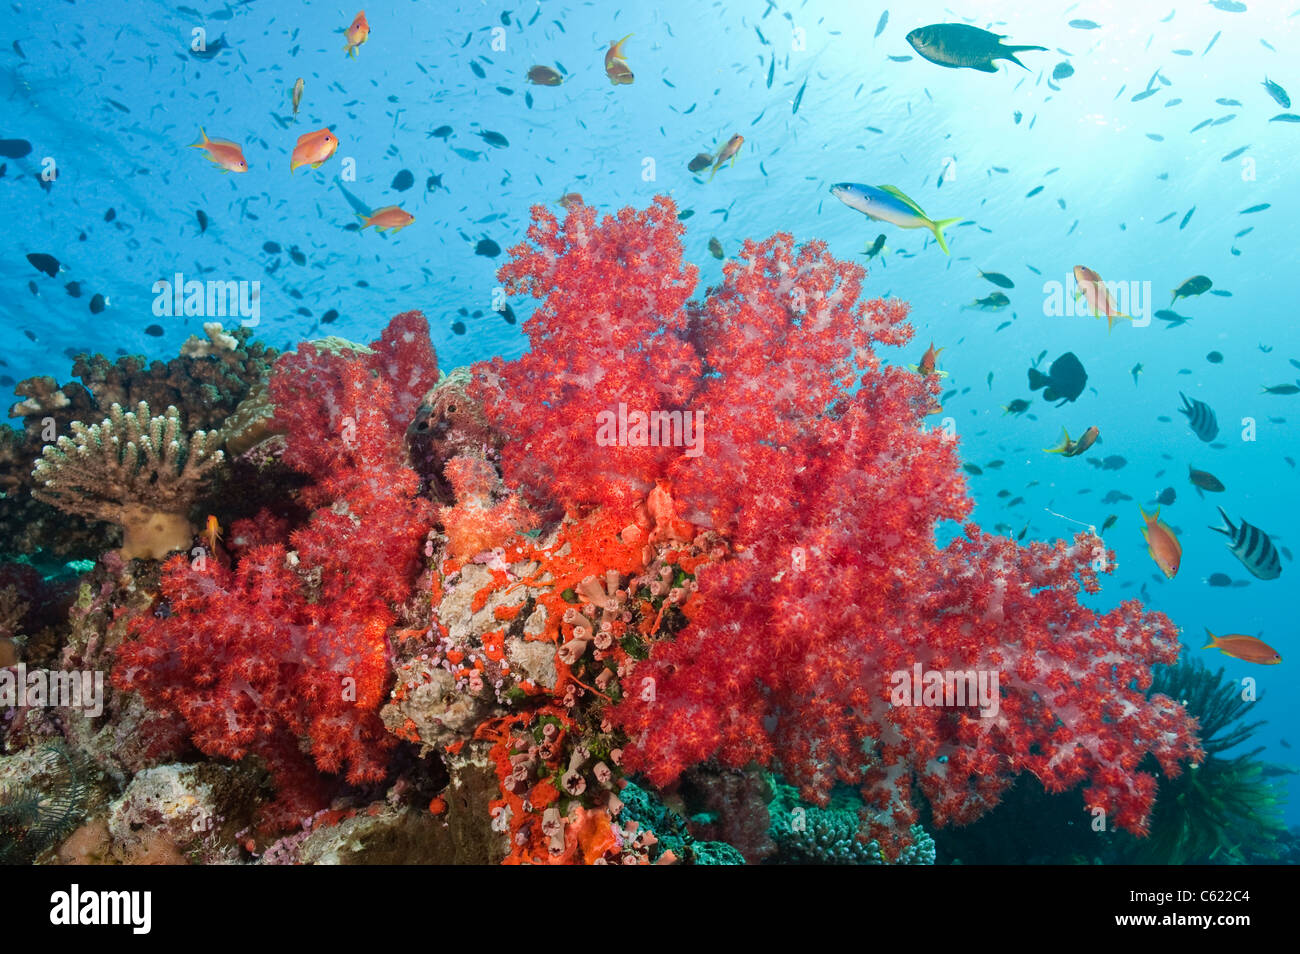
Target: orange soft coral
{"x": 476, "y": 524}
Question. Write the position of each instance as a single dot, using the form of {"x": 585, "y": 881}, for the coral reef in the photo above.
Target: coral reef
{"x": 45, "y": 807}
{"x": 671, "y": 831}
{"x": 812, "y": 835}
{"x": 1222, "y": 809}
{"x": 1225, "y": 809}
{"x": 291, "y": 644}
{"x": 133, "y": 469}
{"x": 205, "y": 383}
{"x": 654, "y": 592}
{"x": 208, "y": 380}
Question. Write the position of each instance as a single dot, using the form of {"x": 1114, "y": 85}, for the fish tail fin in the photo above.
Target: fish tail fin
{"x": 938, "y": 227}
{"x": 1063, "y": 446}
{"x": 1228, "y": 530}
{"x": 1011, "y": 51}
{"x": 1214, "y": 640}
{"x": 203, "y": 140}
{"x": 1038, "y": 380}
{"x": 617, "y": 49}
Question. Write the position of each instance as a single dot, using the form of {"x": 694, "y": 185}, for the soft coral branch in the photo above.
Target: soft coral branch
{"x": 288, "y": 651}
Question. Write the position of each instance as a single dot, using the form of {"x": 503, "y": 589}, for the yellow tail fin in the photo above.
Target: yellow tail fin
{"x": 616, "y": 51}
{"x": 1064, "y": 446}
{"x": 938, "y": 227}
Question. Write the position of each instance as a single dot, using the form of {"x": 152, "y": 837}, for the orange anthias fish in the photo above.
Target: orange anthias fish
{"x": 615, "y": 66}
{"x": 356, "y": 34}
{"x": 727, "y": 152}
{"x": 1097, "y": 295}
{"x": 1161, "y": 543}
{"x": 391, "y": 218}
{"x": 228, "y": 155}
{"x": 1071, "y": 448}
{"x": 211, "y": 533}
{"x": 313, "y": 147}
{"x": 926, "y": 367}
{"x": 570, "y": 201}
{"x": 1245, "y": 648}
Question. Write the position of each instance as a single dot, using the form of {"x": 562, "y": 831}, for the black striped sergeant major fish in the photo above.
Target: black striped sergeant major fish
{"x": 1252, "y": 547}
{"x": 1201, "y": 418}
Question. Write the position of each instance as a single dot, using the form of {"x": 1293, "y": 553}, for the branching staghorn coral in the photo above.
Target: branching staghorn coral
{"x": 134, "y": 470}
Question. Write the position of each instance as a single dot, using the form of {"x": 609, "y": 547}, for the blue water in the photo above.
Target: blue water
{"x": 112, "y": 94}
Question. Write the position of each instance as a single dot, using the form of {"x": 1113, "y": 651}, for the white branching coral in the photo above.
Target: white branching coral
{"x": 132, "y": 469}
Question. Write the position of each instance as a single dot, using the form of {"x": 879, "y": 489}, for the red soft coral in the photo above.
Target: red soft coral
{"x": 816, "y": 467}
{"x": 289, "y": 649}
{"x": 611, "y": 328}
{"x": 251, "y": 665}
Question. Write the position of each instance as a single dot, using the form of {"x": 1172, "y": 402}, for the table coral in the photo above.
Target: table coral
{"x": 205, "y": 386}
{"x": 132, "y": 469}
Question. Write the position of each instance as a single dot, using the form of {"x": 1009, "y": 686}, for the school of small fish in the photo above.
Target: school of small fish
{"x": 309, "y": 128}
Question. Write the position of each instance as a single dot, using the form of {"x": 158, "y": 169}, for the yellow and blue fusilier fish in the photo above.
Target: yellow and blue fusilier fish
{"x": 888, "y": 203}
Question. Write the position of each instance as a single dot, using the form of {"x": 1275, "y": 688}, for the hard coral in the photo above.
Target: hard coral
{"x": 205, "y": 387}
{"x": 206, "y": 382}
{"x": 134, "y": 470}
